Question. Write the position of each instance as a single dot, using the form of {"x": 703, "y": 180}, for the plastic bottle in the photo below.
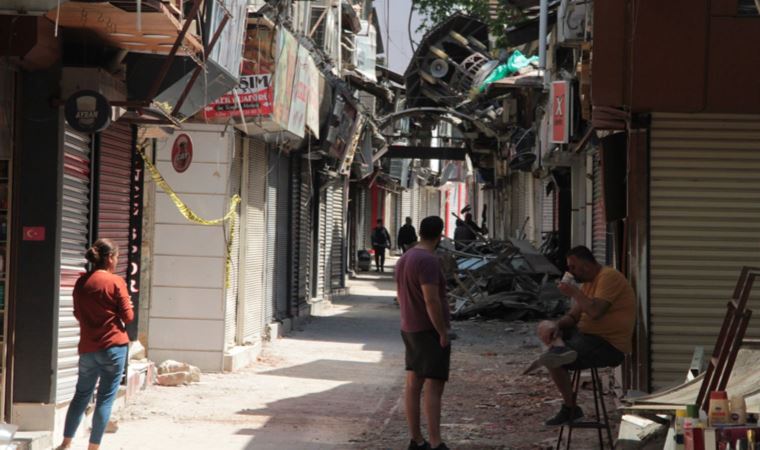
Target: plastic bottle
{"x": 718, "y": 413}
{"x": 679, "y": 425}
{"x": 738, "y": 410}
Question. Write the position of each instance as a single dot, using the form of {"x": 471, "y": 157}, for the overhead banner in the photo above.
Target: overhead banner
{"x": 299, "y": 94}
{"x": 284, "y": 76}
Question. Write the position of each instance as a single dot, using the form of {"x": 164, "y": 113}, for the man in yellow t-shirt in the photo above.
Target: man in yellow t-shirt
{"x": 596, "y": 332}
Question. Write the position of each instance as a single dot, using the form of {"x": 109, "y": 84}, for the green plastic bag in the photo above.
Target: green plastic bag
{"x": 515, "y": 62}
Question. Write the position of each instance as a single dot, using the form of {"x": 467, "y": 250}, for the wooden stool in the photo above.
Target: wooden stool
{"x": 602, "y": 422}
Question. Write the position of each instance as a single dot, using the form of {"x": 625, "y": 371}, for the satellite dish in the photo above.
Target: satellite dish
{"x": 439, "y": 68}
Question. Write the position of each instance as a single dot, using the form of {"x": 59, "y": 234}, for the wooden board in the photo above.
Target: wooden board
{"x": 159, "y": 30}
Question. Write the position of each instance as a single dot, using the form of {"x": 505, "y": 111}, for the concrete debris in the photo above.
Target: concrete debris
{"x": 175, "y": 373}
{"x": 136, "y": 351}
{"x": 507, "y": 280}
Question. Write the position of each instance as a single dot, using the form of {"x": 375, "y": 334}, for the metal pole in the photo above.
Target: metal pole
{"x": 542, "y": 30}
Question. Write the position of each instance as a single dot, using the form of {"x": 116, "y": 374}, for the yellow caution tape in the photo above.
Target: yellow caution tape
{"x": 188, "y": 213}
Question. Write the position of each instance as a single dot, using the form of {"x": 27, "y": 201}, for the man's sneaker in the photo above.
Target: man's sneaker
{"x": 415, "y": 446}
{"x": 441, "y": 446}
{"x": 565, "y": 415}
{"x": 557, "y": 357}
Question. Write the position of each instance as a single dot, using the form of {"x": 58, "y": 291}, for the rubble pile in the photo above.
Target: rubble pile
{"x": 174, "y": 373}
{"x": 509, "y": 280}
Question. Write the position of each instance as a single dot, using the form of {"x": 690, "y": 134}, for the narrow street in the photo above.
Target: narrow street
{"x": 337, "y": 384}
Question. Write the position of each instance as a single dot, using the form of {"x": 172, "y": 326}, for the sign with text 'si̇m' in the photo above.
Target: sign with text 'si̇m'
{"x": 560, "y": 112}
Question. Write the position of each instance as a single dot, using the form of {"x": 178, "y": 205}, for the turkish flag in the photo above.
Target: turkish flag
{"x": 34, "y": 233}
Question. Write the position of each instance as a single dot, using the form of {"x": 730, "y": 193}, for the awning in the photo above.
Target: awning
{"x": 153, "y": 30}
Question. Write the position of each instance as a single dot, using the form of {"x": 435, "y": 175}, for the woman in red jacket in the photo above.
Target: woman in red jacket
{"x": 103, "y": 308}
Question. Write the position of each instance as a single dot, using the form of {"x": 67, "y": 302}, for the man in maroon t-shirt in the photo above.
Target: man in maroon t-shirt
{"x": 425, "y": 321}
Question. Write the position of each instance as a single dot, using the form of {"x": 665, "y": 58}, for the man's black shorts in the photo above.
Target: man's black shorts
{"x": 593, "y": 351}
{"x": 424, "y": 355}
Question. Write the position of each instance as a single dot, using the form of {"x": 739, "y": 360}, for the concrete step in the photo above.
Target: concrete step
{"x": 33, "y": 440}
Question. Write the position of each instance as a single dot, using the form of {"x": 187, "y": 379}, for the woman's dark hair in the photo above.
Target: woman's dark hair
{"x": 431, "y": 227}
{"x": 100, "y": 251}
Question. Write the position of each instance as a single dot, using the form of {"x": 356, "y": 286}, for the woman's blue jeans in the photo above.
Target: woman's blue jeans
{"x": 108, "y": 366}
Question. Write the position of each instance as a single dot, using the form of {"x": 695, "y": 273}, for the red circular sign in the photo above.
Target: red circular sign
{"x": 182, "y": 153}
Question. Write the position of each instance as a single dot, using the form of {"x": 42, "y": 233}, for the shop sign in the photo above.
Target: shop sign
{"x": 252, "y": 98}
{"x": 182, "y": 153}
{"x": 316, "y": 86}
{"x": 560, "y": 114}
{"x": 254, "y": 95}
{"x": 87, "y": 111}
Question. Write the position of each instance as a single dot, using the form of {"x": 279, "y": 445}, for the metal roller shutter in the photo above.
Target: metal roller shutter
{"x": 547, "y": 202}
{"x": 305, "y": 281}
{"x": 75, "y": 228}
{"x": 705, "y": 225}
{"x": 283, "y": 238}
{"x": 251, "y": 311}
{"x": 232, "y": 291}
{"x": 271, "y": 234}
{"x": 362, "y": 220}
{"x": 321, "y": 242}
{"x": 599, "y": 228}
{"x": 406, "y": 206}
{"x": 337, "y": 237}
{"x": 296, "y": 286}
{"x": 391, "y": 213}
{"x": 329, "y": 237}
{"x": 114, "y": 181}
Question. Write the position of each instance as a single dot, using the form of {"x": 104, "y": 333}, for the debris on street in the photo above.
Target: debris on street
{"x": 174, "y": 373}
{"x": 508, "y": 280}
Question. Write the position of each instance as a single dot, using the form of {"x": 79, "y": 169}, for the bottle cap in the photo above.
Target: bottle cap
{"x": 680, "y": 413}
{"x": 692, "y": 411}
{"x": 718, "y": 395}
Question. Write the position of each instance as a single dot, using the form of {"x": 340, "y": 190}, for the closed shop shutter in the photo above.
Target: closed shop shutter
{"x": 406, "y": 206}
{"x": 599, "y": 229}
{"x": 391, "y": 213}
{"x": 329, "y": 236}
{"x": 254, "y": 249}
{"x": 296, "y": 286}
{"x": 232, "y": 291}
{"x": 270, "y": 267}
{"x": 114, "y": 181}
{"x": 547, "y": 220}
{"x": 362, "y": 225}
{"x": 337, "y": 264}
{"x": 282, "y": 297}
{"x": 75, "y": 227}
{"x": 321, "y": 244}
{"x": 704, "y": 226}
{"x": 306, "y": 283}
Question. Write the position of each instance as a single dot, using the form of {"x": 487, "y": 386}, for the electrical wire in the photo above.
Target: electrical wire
{"x": 412, "y": 44}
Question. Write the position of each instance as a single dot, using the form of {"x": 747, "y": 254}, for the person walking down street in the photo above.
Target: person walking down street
{"x": 425, "y": 323}
{"x": 103, "y": 308}
{"x": 407, "y": 235}
{"x": 381, "y": 240}
{"x": 596, "y": 332}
